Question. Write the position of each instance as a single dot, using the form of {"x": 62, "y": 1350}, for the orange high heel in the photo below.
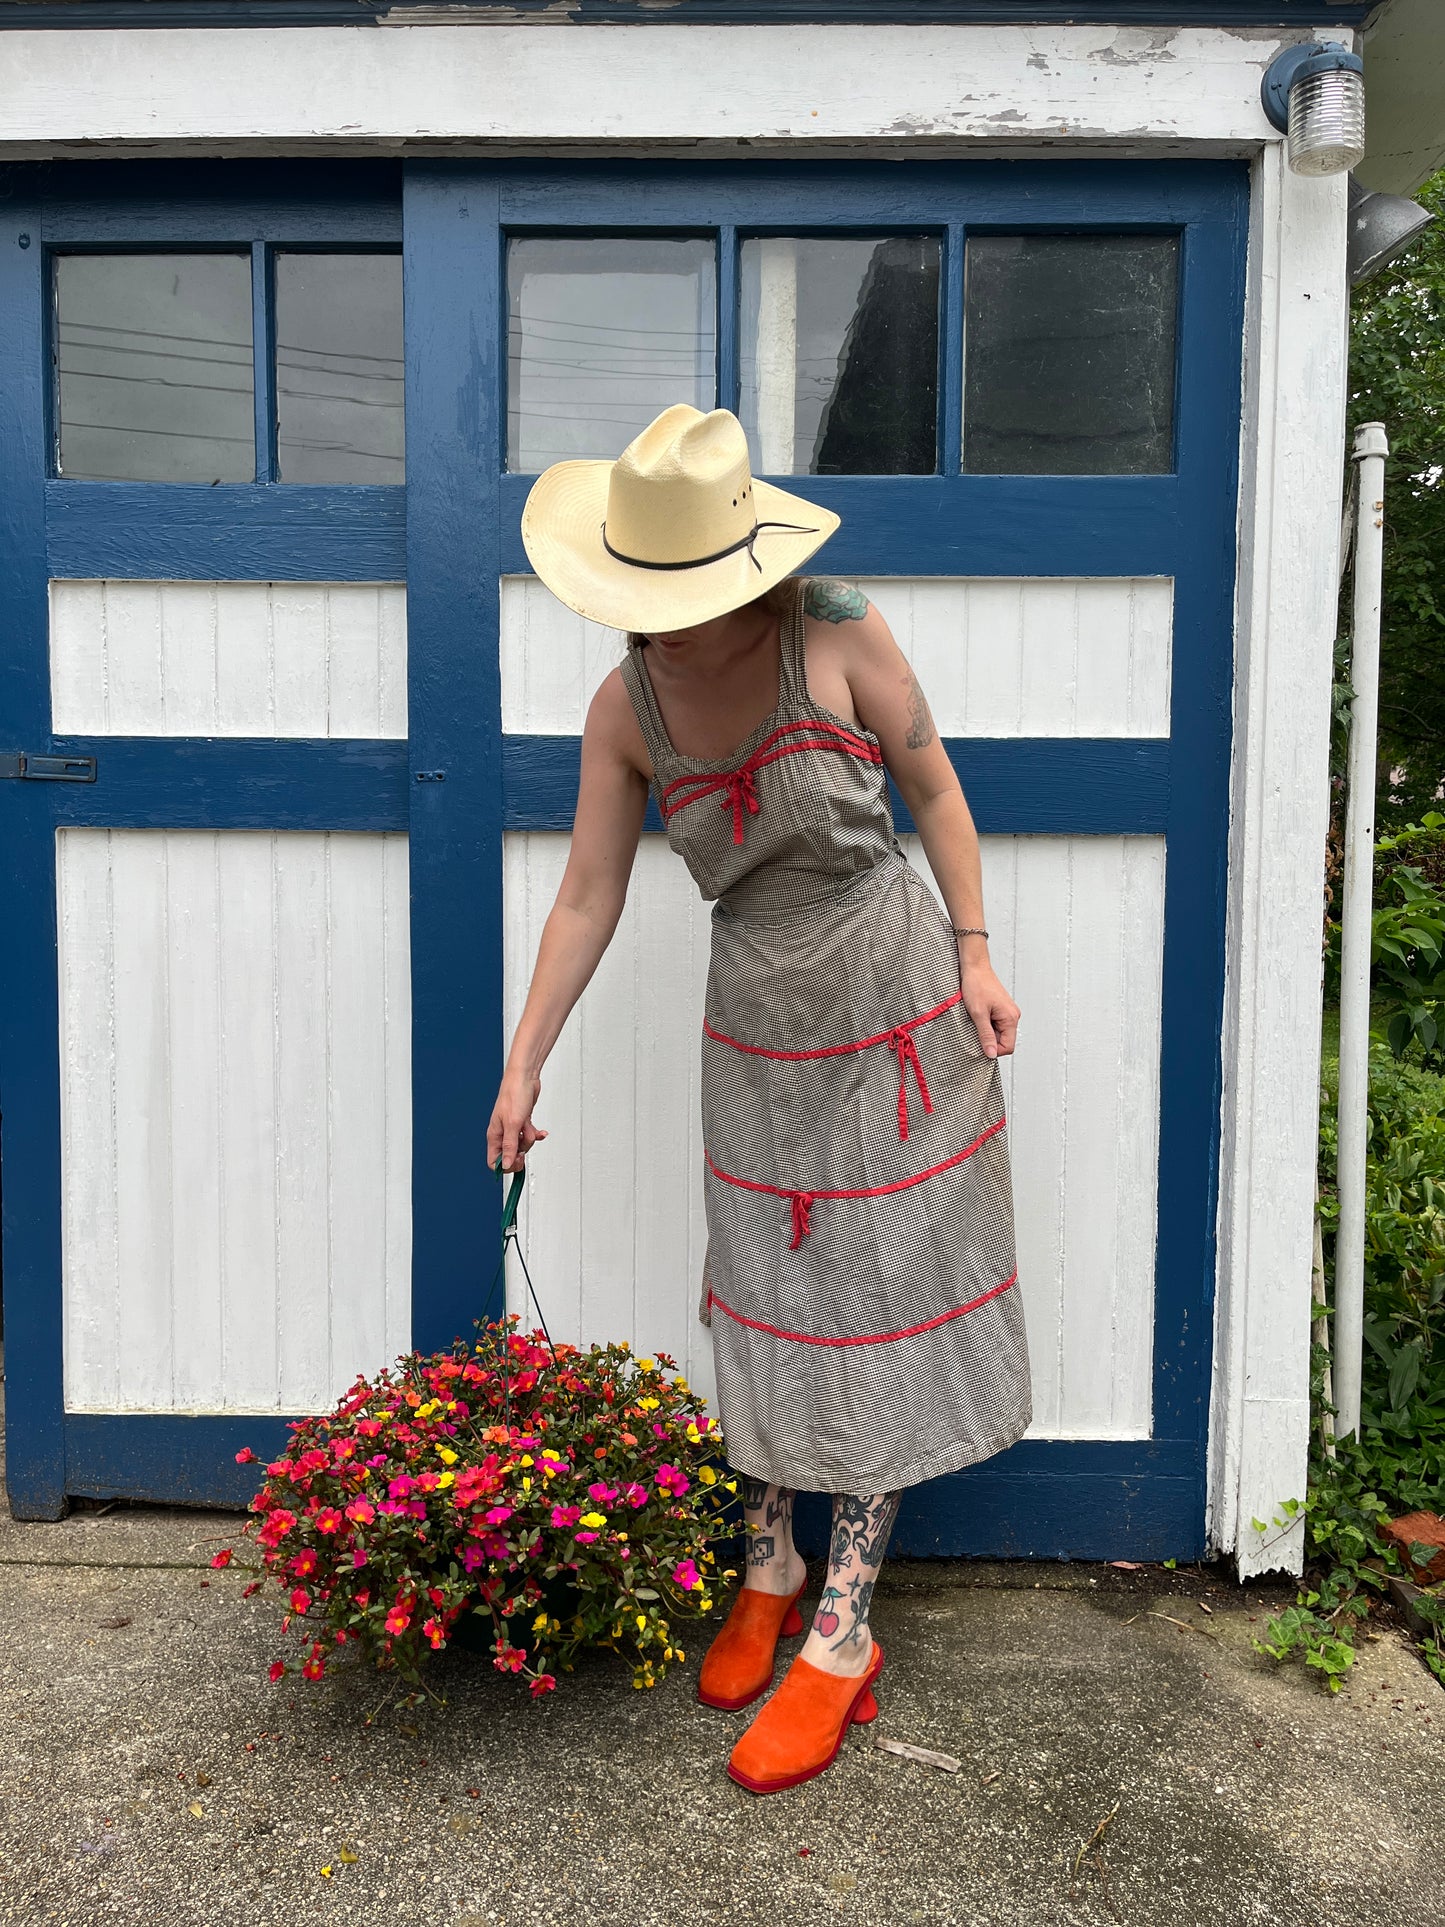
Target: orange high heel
{"x": 800, "y": 1730}
{"x": 738, "y": 1666}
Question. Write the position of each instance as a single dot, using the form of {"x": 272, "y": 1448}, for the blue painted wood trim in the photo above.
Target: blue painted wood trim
{"x": 969, "y": 524}
{"x": 1105, "y": 786}
{"x": 454, "y": 434}
{"x": 29, "y": 1025}
{"x": 208, "y": 202}
{"x": 646, "y": 13}
{"x": 230, "y": 783}
{"x": 1197, "y": 838}
{"x": 729, "y": 388}
{"x": 1041, "y": 1499}
{"x": 235, "y": 532}
{"x": 172, "y": 1458}
{"x": 263, "y": 364}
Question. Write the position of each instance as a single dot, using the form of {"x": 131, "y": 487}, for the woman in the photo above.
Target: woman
{"x": 860, "y": 1277}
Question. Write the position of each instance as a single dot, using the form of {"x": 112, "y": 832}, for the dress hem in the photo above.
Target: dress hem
{"x": 953, "y": 1458}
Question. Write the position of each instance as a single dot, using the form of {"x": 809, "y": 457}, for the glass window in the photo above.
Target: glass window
{"x": 604, "y": 332}
{"x": 153, "y": 356}
{"x": 838, "y": 354}
{"x": 1069, "y": 354}
{"x": 339, "y": 369}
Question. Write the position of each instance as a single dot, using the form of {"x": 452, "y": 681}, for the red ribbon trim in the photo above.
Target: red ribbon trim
{"x": 736, "y": 785}
{"x": 872, "y": 1338}
{"x": 899, "y": 1039}
{"x": 802, "y": 1202}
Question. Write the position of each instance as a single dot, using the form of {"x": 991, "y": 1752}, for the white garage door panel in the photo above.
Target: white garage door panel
{"x": 313, "y": 659}
{"x": 236, "y": 1116}
{"x": 997, "y": 656}
{"x": 614, "y": 1224}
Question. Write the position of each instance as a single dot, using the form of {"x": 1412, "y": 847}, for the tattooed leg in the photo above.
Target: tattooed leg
{"x": 773, "y": 1565}
{"x": 839, "y": 1641}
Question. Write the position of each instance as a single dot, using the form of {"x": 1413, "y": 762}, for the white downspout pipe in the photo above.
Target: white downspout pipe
{"x": 1371, "y": 448}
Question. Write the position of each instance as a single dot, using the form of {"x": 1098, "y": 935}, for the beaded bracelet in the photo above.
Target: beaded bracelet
{"x": 966, "y": 933}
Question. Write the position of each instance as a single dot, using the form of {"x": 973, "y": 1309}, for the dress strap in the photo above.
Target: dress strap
{"x": 792, "y": 671}
{"x": 649, "y": 717}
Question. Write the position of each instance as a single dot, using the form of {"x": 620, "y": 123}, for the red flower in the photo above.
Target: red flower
{"x": 397, "y": 1620}
{"x": 222, "y": 1559}
{"x": 314, "y": 1666}
{"x": 435, "y": 1632}
{"x": 245, "y": 1456}
{"x": 300, "y": 1600}
{"x": 255, "y": 1586}
{"x": 278, "y": 1670}
{"x": 544, "y": 1683}
{"x": 361, "y": 1512}
{"x": 328, "y": 1520}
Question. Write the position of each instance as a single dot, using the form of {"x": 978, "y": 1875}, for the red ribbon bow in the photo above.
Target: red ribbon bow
{"x": 901, "y": 1041}
{"x": 739, "y": 789}
{"x": 802, "y": 1203}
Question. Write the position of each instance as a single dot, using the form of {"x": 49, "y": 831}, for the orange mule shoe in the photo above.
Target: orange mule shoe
{"x": 738, "y": 1666}
{"x": 800, "y": 1730}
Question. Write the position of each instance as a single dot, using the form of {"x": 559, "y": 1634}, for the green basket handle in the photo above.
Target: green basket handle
{"x": 514, "y": 1198}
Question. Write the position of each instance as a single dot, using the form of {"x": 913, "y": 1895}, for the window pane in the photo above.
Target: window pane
{"x": 154, "y": 360}
{"x": 339, "y": 371}
{"x": 1069, "y": 354}
{"x": 838, "y": 354}
{"x": 603, "y": 334}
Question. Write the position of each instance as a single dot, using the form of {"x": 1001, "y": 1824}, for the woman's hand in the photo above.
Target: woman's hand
{"x": 511, "y": 1133}
{"x": 995, "y": 1014}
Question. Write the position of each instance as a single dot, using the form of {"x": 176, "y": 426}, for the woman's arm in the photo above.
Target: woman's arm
{"x": 888, "y": 700}
{"x": 611, "y": 803}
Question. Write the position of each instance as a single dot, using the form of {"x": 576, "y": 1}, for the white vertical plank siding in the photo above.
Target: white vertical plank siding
{"x": 613, "y": 1220}
{"x": 1006, "y": 656}
{"x": 228, "y": 658}
{"x": 240, "y": 1002}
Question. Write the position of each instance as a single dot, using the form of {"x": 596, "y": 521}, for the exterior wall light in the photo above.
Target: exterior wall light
{"x": 1315, "y": 94}
{"x": 1381, "y": 227}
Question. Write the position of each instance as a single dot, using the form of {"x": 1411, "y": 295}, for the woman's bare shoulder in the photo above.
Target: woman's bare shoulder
{"x": 612, "y": 724}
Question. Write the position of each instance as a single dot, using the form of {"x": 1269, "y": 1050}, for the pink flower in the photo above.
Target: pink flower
{"x": 604, "y": 1494}
{"x": 358, "y": 1559}
{"x": 511, "y": 1659}
{"x": 402, "y": 1486}
{"x": 636, "y": 1495}
{"x": 659, "y": 1431}
{"x": 544, "y": 1683}
{"x": 586, "y": 1537}
{"x": 472, "y": 1557}
{"x": 361, "y": 1512}
{"x": 222, "y": 1560}
{"x": 566, "y": 1515}
{"x": 669, "y": 1479}
{"x": 245, "y": 1456}
{"x": 686, "y": 1575}
{"x": 498, "y": 1515}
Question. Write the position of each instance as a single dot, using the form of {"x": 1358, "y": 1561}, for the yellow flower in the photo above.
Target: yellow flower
{"x": 539, "y": 1624}
{"x": 446, "y": 1479}
{"x": 681, "y": 1654}
{"x": 526, "y": 1459}
{"x": 731, "y": 1484}
{"x": 707, "y": 1475}
{"x": 694, "y": 1435}
{"x": 682, "y": 1385}
{"x": 642, "y": 1622}
{"x": 446, "y": 1455}
{"x": 594, "y": 1519}
{"x": 648, "y": 1404}
{"x": 425, "y": 1411}
{"x": 526, "y": 1485}
{"x": 646, "y": 1365}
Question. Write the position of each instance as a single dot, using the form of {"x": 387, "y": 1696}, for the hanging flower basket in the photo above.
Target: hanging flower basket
{"x": 547, "y": 1497}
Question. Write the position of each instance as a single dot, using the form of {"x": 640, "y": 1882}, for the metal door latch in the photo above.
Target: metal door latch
{"x": 20, "y": 764}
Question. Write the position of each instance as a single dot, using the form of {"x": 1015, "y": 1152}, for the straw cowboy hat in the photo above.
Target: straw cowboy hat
{"x": 673, "y": 532}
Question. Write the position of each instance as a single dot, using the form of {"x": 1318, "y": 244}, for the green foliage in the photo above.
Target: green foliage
{"x": 1397, "y": 376}
{"x": 1397, "y": 1464}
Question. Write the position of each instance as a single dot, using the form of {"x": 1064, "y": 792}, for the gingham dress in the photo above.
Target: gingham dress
{"x": 860, "y": 1279}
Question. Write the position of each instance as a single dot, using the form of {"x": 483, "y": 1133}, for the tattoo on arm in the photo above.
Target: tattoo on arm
{"x": 829, "y": 601}
{"x": 920, "y": 718}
